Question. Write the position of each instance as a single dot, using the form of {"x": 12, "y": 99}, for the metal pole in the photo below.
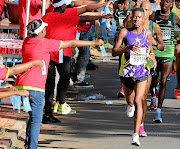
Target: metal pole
{"x": 44, "y": 8}
{"x": 27, "y": 17}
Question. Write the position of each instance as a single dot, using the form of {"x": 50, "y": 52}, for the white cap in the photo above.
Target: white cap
{"x": 38, "y": 30}
{"x": 38, "y": 24}
{"x": 62, "y": 2}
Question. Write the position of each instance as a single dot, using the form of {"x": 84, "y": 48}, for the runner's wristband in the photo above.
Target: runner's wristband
{"x": 151, "y": 54}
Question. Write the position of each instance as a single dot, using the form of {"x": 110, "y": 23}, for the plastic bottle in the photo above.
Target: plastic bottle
{"x": 26, "y": 104}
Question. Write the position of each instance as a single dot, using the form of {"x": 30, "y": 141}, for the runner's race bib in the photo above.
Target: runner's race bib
{"x": 166, "y": 34}
{"x": 121, "y": 24}
{"x": 138, "y": 59}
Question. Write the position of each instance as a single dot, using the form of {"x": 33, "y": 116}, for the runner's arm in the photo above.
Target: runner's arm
{"x": 152, "y": 55}
{"x": 118, "y": 50}
{"x": 157, "y": 31}
{"x": 115, "y": 5}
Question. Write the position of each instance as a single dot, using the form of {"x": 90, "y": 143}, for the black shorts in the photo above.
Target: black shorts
{"x": 131, "y": 82}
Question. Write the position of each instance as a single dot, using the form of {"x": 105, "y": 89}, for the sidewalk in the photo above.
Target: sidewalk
{"x": 11, "y": 125}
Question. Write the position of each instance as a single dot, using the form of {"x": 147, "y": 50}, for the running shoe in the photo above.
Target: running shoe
{"x": 173, "y": 72}
{"x": 157, "y": 117}
{"x": 120, "y": 93}
{"x": 177, "y": 93}
{"x": 153, "y": 103}
{"x": 142, "y": 133}
{"x": 56, "y": 105}
{"x": 168, "y": 79}
{"x": 130, "y": 110}
{"x": 107, "y": 45}
{"x": 135, "y": 139}
{"x": 65, "y": 109}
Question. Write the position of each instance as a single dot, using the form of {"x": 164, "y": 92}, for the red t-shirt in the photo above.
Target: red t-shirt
{"x": 85, "y": 26}
{"x": 34, "y": 13}
{"x": 4, "y": 73}
{"x": 1, "y": 6}
{"x": 36, "y": 49}
{"x": 61, "y": 26}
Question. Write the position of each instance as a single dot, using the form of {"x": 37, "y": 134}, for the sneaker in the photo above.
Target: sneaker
{"x": 119, "y": 94}
{"x": 50, "y": 119}
{"x": 130, "y": 110}
{"x": 84, "y": 85}
{"x": 107, "y": 45}
{"x": 142, "y": 133}
{"x": 157, "y": 117}
{"x": 177, "y": 93}
{"x": 65, "y": 109}
{"x": 56, "y": 105}
{"x": 153, "y": 103}
{"x": 135, "y": 139}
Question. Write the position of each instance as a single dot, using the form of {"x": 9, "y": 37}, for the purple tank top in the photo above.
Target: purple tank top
{"x": 132, "y": 69}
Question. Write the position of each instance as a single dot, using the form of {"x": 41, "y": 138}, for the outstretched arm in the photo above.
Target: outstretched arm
{"x": 86, "y": 8}
{"x": 22, "y": 67}
{"x": 93, "y": 18}
{"x": 80, "y": 43}
{"x": 15, "y": 92}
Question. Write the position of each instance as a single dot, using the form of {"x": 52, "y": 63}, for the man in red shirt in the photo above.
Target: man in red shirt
{"x": 34, "y": 12}
{"x": 62, "y": 26}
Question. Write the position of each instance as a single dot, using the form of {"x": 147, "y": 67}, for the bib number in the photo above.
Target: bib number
{"x": 138, "y": 59}
{"x": 121, "y": 24}
{"x": 166, "y": 34}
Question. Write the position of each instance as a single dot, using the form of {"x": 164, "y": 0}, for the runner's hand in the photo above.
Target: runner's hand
{"x": 99, "y": 42}
{"x": 135, "y": 48}
{"x": 152, "y": 57}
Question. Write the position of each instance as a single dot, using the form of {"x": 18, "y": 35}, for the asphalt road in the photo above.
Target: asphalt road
{"x": 100, "y": 126}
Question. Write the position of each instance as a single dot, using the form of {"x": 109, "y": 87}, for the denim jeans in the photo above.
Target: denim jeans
{"x": 103, "y": 27}
{"x": 64, "y": 72}
{"x": 83, "y": 58}
{"x": 33, "y": 126}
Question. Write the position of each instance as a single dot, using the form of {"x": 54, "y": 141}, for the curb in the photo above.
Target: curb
{"x": 11, "y": 136}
